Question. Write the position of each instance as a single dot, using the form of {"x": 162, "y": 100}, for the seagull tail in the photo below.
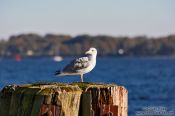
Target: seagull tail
{"x": 58, "y": 72}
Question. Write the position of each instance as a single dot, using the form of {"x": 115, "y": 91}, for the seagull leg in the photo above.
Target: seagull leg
{"x": 81, "y": 77}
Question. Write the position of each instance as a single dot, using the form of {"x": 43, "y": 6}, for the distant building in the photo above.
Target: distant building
{"x": 29, "y": 53}
{"x": 121, "y": 51}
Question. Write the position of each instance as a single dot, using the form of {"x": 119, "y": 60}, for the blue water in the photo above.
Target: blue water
{"x": 150, "y": 81}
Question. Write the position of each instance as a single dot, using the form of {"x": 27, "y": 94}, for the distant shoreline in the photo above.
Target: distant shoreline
{"x": 113, "y": 57}
{"x": 34, "y": 45}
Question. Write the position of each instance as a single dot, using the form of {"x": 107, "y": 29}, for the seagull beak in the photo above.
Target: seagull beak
{"x": 88, "y": 52}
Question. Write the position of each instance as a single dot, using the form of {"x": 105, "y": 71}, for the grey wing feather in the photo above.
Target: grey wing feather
{"x": 77, "y": 64}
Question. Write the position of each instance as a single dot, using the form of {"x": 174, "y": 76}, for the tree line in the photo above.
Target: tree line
{"x": 35, "y": 45}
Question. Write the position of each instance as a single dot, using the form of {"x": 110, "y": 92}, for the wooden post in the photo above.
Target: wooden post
{"x": 56, "y": 99}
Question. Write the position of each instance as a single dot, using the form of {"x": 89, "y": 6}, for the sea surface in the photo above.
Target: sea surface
{"x": 150, "y": 81}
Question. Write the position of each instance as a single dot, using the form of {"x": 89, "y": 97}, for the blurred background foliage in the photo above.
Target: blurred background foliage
{"x": 35, "y": 45}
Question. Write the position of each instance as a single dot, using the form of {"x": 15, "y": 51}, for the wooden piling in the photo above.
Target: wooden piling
{"x": 56, "y": 99}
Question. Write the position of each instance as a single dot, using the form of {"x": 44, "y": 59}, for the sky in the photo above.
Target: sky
{"x": 94, "y": 17}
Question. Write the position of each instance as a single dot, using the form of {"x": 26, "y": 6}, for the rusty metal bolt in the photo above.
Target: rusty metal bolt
{"x": 49, "y": 113}
{"x": 108, "y": 114}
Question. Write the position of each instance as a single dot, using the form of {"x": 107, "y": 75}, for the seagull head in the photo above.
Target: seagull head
{"x": 92, "y": 51}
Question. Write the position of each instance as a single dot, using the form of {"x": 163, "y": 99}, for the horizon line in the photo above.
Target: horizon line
{"x": 7, "y": 37}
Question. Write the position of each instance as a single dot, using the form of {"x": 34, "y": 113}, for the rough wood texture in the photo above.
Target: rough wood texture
{"x": 104, "y": 100}
{"x": 55, "y": 99}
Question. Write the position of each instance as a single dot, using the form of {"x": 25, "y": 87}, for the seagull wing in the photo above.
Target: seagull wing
{"x": 77, "y": 65}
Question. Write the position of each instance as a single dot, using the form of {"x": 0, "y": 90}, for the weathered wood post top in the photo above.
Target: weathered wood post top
{"x": 57, "y": 99}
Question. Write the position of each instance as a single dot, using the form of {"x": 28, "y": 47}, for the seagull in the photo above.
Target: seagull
{"x": 80, "y": 66}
